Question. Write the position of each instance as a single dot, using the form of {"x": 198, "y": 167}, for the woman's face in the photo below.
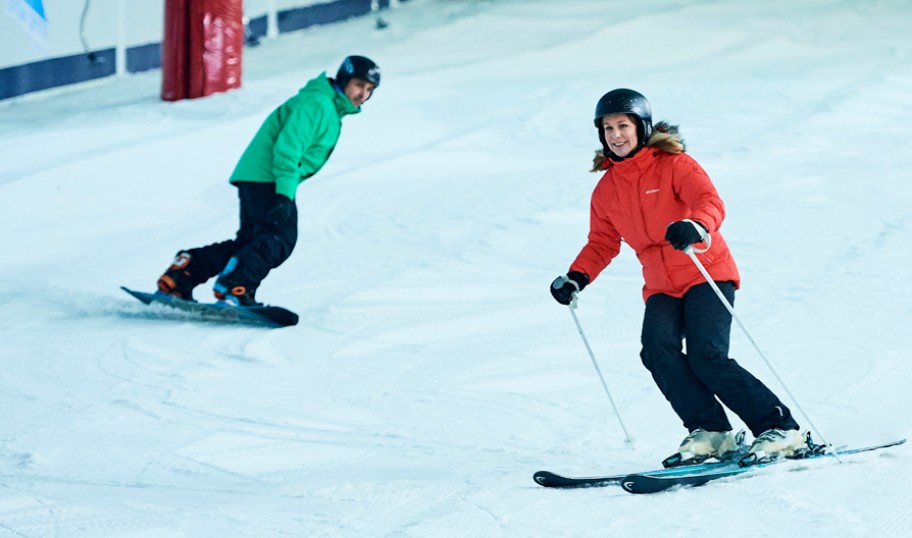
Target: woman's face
{"x": 620, "y": 134}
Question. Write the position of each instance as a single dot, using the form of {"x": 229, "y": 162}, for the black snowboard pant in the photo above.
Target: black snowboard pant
{"x": 696, "y": 381}
{"x": 259, "y": 245}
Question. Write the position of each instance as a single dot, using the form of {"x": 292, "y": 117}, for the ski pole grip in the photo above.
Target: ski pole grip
{"x": 690, "y": 248}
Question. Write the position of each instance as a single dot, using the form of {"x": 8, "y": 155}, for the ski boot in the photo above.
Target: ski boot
{"x": 774, "y": 444}
{"x": 231, "y": 291}
{"x": 702, "y": 445}
{"x": 176, "y": 281}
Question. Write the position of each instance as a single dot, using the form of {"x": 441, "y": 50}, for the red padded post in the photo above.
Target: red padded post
{"x": 202, "y": 48}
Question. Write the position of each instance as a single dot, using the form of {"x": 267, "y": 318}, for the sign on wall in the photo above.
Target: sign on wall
{"x": 30, "y": 15}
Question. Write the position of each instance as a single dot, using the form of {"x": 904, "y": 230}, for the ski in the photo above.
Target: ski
{"x": 265, "y": 315}
{"x": 554, "y": 480}
{"x": 654, "y": 482}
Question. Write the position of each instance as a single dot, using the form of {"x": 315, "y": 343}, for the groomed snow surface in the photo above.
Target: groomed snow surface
{"x": 432, "y": 373}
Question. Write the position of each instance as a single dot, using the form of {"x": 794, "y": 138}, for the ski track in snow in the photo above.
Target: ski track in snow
{"x": 431, "y": 373}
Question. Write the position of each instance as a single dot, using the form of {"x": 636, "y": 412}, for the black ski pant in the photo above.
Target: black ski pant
{"x": 696, "y": 381}
{"x": 259, "y": 245}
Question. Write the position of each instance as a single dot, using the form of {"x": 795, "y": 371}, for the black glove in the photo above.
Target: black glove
{"x": 564, "y": 286}
{"x": 281, "y": 210}
{"x": 683, "y": 233}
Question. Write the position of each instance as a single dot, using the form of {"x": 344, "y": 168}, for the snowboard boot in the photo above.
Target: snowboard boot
{"x": 230, "y": 290}
{"x": 701, "y": 445}
{"x": 176, "y": 281}
{"x": 775, "y": 444}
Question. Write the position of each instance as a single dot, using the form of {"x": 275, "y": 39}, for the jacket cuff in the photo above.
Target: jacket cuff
{"x": 287, "y": 189}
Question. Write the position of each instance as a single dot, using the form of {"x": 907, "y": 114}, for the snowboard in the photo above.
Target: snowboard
{"x": 265, "y": 315}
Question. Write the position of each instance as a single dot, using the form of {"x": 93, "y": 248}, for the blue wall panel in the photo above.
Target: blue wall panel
{"x": 45, "y": 74}
{"x": 296, "y": 19}
{"x": 144, "y": 57}
{"x": 257, "y": 27}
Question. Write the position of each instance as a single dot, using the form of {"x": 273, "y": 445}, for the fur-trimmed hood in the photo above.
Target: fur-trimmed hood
{"x": 664, "y": 137}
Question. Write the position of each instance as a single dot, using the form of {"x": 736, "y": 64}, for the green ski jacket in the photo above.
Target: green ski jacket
{"x": 296, "y": 139}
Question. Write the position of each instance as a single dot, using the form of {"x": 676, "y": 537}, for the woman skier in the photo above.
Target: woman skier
{"x": 657, "y": 199}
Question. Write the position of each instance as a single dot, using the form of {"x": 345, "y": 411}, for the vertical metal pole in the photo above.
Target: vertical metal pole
{"x": 120, "y": 49}
{"x": 272, "y": 20}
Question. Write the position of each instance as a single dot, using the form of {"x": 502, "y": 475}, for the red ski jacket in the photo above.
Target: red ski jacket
{"x": 635, "y": 201}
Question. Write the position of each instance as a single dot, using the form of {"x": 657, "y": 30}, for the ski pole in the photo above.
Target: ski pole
{"x": 690, "y": 251}
{"x": 628, "y": 441}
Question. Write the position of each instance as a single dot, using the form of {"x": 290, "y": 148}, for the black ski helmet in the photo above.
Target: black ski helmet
{"x": 358, "y": 67}
{"x": 624, "y": 101}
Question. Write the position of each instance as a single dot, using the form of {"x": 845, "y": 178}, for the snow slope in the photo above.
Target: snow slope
{"x": 432, "y": 374}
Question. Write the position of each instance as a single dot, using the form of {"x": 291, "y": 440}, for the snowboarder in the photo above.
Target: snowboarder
{"x": 293, "y": 143}
{"x": 659, "y": 200}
